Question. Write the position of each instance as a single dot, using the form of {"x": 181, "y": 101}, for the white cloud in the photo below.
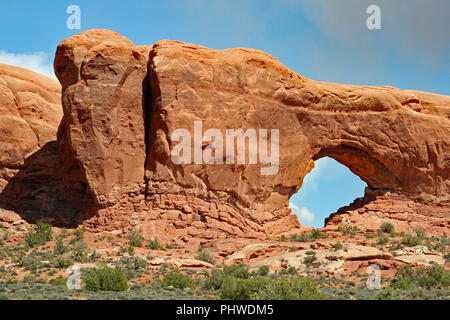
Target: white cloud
{"x": 310, "y": 182}
{"x": 38, "y": 61}
{"x": 305, "y": 216}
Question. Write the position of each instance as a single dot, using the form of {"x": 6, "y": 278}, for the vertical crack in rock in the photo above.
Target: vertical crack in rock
{"x": 147, "y": 105}
{"x": 122, "y": 103}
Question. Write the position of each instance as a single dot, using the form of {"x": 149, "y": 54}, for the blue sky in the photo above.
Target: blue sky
{"x": 324, "y": 40}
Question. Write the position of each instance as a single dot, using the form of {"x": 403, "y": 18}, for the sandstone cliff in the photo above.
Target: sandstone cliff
{"x": 122, "y": 104}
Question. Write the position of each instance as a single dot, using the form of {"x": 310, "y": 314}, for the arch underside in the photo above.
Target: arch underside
{"x": 369, "y": 169}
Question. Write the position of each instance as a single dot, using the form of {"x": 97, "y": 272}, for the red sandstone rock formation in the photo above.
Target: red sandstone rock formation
{"x": 122, "y": 104}
{"x": 30, "y": 112}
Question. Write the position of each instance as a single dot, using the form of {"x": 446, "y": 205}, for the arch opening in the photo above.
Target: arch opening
{"x": 329, "y": 186}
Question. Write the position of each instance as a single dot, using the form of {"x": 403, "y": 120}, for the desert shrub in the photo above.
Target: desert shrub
{"x": 42, "y": 234}
{"x": 94, "y": 256}
{"x": 338, "y": 246}
{"x": 237, "y": 270}
{"x": 388, "y": 228}
{"x": 59, "y": 281}
{"x": 420, "y": 232}
{"x": 242, "y": 289}
{"x": 317, "y": 234}
{"x": 60, "y": 248}
{"x": 382, "y": 240}
{"x": 105, "y": 279}
{"x": 406, "y": 278}
{"x": 4, "y": 236}
{"x": 262, "y": 288}
{"x": 136, "y": 239}
{"x": 411, "y": 241}
{"x": 314, "y": 235}
{"x": 290, "y": 289}
{"x": 217, "y": 277}
{"x": 447, "y": 257}
{"x": 205, "y": 255}
{"x": 154, "y": 244}
{"x": 131, "y": 266}
{"x": 79, "y": 251}
{"x": 79, "y": 234}
{"x": 62, "y": 262}
{"x": 309, "y": 259}
{"x": 263, "y": 271}
{"x": 348, "y": 230}
{"x": 64, "y": 233}
{"x": 178, "y": 280}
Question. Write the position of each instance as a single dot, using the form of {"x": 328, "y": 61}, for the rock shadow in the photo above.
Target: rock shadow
{"x": 37, "y": 191}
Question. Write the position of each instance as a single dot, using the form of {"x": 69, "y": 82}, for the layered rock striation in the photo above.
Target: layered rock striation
{"x": 127, "y": 108}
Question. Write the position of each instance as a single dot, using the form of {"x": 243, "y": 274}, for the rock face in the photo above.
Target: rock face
{"x": 30, "y": 113}
{"x": 396, "y": 141}
{"x": 103, "y": 75}
{"x": 127, "y": 108}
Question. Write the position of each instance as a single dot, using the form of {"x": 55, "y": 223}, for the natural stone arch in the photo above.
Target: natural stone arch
{"x": 368, "y": 168}
{"x": 394, "y": 140}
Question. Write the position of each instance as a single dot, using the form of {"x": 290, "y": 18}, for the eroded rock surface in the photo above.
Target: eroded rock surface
{"x": 30, "y": 113}
{"x": 123, "y": 103}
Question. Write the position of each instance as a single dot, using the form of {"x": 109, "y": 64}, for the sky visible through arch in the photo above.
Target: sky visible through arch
{"x": 324, "y": 40}
{"x": 329, "y": 186}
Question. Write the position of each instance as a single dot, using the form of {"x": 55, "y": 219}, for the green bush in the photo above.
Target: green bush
{"x": 420, "y": 232}
{"x": 132, "y": 266}
{"x": 177, "y": 280}
{"x": 60, "y": 248}
{"x": 105, "y": 279}
{"x": 386, "y": 227}
{"x": 154, "y": 244}
{"x": 263, "y": 271}
{"x": 309, "y": 259}
{"x": 382, "y": 240}
{"x": 79, "y": 234}
{"x": 217, "y": 277}
{"x": 79, "y": 251}
{"x": 59, "y": 281}
{"x": 348, "y": 230}
{"x": 136, "y": 239}
{"x": 242, "y": 289}
{"x": 406, "y": 278}
{"x": 205, "y": 255}
{"x": 63, "y": 263}
{"x": 237, "y": 270}
{"x": 42, "y": 234}
{"x": 308, "y": 237}
{"x": 411, "y": 241}
{"x": 338, "y": 246}
{"x": 290, "y": 289}
{"x": 262, "y": 288}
